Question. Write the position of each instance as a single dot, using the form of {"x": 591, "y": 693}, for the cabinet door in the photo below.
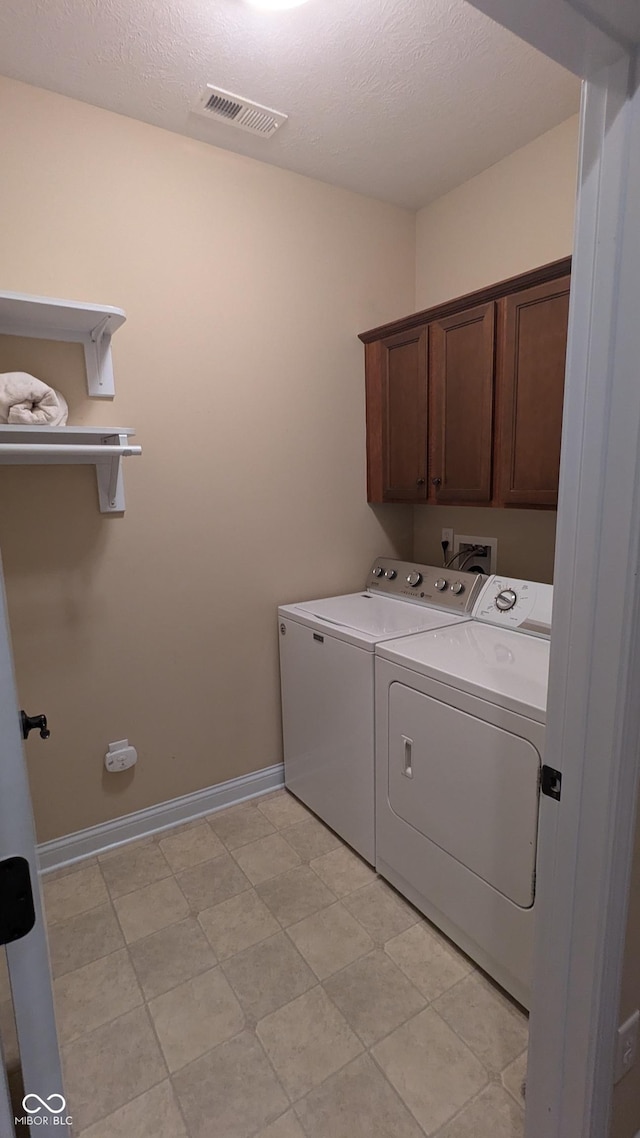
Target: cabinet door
{"x": 532, "y": 351}
{"x": 396, "y": 375}
{"x": 461, "y": 370}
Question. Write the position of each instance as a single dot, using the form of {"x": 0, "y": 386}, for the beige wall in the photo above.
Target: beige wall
{"x": 526, "y": 542}
{"x": 245, "y": 287}
{"x": 514, "y": 216}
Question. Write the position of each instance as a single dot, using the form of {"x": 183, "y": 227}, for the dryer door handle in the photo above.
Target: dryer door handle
{"x": 407, "y": 768}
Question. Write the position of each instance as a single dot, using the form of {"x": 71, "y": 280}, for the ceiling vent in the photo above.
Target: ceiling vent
{"x": 217, "y": 104}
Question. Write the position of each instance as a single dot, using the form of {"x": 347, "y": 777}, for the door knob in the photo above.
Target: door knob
{"x": 34, "y": 723}
{"x": 436, "y": 482}
{"x": 419, "y": 481}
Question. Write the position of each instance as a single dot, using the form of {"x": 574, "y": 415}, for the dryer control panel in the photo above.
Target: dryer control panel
{"x": 448, "y": 589}
{"x": 524, "y": 606}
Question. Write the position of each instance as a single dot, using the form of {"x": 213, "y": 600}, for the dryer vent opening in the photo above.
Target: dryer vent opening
{"x": 236, "y": 111}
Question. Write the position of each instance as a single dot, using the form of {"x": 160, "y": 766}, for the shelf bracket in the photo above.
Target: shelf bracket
{"x": 98, "y": 362}
{"x": 110, "y": 480}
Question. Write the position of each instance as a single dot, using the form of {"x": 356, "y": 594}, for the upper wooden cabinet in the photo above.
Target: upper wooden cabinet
{"x": 461, "y": 370}
{"x": 530, "y": 385}
{"x": 396, "y": 376}
{"x": 464, "y": 401}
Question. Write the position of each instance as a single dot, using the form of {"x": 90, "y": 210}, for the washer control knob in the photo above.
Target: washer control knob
{"x": 506, "y": 599}
{"x": 457, "y": 588}
{"x": 440, "y": 584}
{"x": 390, "y": 574}
{"x": 378, "y": 571}
{"x": 414, "y": 579}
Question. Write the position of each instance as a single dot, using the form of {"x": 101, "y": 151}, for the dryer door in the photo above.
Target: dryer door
{"x": 470, "y": 787}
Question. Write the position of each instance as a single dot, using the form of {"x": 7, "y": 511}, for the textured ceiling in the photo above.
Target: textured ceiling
{"x": 399, "y": 99}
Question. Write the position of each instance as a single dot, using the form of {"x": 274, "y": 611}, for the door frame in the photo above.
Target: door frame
{"x": 593, "y": 720}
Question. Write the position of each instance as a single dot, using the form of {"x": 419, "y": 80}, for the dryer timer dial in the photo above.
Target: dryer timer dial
{"x": 506, "y": 599}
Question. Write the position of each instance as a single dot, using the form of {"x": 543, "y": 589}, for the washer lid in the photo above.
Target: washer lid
{"x": 370, "y": 617}
{"x": 495, "y": 664}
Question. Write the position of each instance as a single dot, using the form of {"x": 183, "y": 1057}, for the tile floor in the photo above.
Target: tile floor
{"x": 247, "y": 976}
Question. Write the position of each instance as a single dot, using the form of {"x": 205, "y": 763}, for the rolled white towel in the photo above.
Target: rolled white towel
{"x": 27, "y": 400}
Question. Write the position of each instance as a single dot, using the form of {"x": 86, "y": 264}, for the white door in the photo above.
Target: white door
{"x": 21, "y": 910}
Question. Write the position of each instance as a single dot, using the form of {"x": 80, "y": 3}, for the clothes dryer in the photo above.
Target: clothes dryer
{"x": 460, "y": 736}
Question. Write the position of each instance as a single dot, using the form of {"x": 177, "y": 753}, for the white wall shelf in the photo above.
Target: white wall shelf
{"x": 91, "y": 325}
{"x": 103, "y": 447}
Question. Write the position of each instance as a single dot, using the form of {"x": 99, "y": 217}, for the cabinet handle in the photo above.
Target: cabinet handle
{"x": 419, "y": 481}
{"x": 436, "y": 481}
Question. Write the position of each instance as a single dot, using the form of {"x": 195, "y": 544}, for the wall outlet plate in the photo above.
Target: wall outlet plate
{"x": 448, "y": 535}
{"x": 488, "y": 564}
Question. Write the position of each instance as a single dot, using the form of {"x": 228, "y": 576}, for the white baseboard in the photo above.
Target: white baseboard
{"x": 106, "y": 836}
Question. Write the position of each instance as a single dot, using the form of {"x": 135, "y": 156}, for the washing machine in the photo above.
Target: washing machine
{"x": 327, "y": 680}
{"x": 459, "y": 754}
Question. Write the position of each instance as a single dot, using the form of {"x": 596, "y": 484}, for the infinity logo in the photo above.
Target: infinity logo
{"x": 43, "y": 1103}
